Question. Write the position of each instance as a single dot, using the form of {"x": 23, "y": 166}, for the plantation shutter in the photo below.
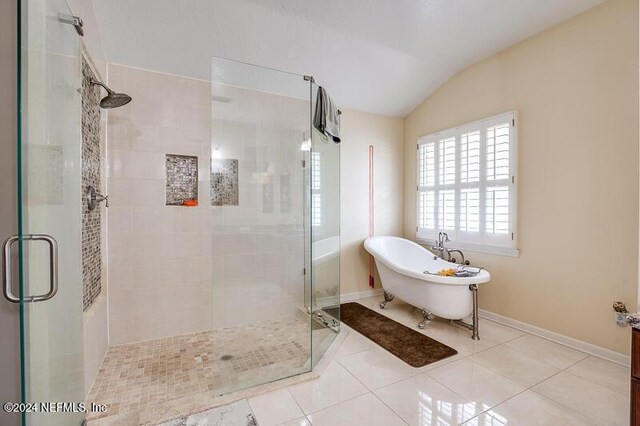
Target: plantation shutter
{"x": 466, "y": 183}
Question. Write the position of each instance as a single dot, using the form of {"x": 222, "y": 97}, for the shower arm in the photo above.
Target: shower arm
{"x": 96, "y": 82}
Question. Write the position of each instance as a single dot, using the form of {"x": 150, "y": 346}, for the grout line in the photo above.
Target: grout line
{"x": 349, "y": 399}
{"x": 558, "y": 403}
{"x": 530, "y": 388}
{"x": 392, "y": 410}
{"x": 288, "y": 389}
{"x": 591, "y": 381}
{"x": 337, "y": 403}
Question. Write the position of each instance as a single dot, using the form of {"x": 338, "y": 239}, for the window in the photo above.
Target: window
{"x": 316, "y": 190}
{"x": 466, "y": 185}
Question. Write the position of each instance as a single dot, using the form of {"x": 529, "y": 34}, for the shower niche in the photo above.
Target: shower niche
{"x": 224, "y": 182}
{"x": 181, "y": 180}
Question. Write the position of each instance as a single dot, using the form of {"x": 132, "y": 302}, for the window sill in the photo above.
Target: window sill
{"x": 477, "y": 248}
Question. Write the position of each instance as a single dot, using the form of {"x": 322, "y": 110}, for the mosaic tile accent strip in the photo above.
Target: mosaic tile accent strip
{"x": 182, "y": 179}
{"x": 224, "y": 182}
{"x": 91, "y": 175}
{"x": 136, "y": 376}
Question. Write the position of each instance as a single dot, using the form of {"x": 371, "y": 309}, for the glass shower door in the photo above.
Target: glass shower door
{"x": 324, "y": 218}
{"x": 259, "y": 155}
{"x": 47, "y": 247}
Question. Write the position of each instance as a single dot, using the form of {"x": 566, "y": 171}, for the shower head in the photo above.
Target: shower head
{"x": 113, "y": 99}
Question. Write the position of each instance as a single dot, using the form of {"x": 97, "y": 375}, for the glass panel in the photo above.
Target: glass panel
{"x": 50, "y": 191}
{"x": 325, "y": 240}
{"x": 260, "y": 125}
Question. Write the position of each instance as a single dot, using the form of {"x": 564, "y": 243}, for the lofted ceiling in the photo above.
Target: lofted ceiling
{"x": 381, "y": 56}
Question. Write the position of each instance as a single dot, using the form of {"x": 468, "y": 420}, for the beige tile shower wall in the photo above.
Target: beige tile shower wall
{"x": 175, "y": 270}
{"x": 258, "y": 252}
{"x": 159, "y": 256}
{"x": 575, "y": 87}
{"x": 359, "y": 130}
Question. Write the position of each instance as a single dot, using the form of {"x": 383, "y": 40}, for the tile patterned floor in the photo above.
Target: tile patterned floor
{"x": 507, "y": 378}
{"x": 136, "y": 376}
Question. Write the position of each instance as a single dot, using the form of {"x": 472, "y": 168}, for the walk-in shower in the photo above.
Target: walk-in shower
{"x": 235, "y": 281}
{"x": 214, "y": 265}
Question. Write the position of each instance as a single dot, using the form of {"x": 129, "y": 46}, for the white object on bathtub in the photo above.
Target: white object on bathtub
{"x": 401, "y": 264}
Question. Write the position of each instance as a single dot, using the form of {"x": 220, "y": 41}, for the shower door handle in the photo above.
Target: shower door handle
{"x": 53, "y": 268}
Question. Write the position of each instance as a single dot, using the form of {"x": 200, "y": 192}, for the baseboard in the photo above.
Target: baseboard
{"x": 576, "y": 344}
{"x": 350, "y": 297}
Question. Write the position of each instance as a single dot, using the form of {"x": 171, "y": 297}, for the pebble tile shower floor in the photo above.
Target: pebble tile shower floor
{"x": 135, "y": 376}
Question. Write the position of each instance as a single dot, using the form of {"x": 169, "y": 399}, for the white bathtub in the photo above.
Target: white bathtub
{"x": 402, "y": 263}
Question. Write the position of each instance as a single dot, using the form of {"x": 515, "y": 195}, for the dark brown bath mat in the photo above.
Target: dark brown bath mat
{"x": 412, "y": 347}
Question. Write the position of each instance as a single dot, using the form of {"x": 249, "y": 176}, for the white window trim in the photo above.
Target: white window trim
{"x": 504, "y": 250}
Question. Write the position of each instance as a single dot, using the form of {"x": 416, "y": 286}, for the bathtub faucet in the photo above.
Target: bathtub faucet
{"x": 452, "y": 259}
{"x": 442, "y": 238}
{"x": 445, "y": 253}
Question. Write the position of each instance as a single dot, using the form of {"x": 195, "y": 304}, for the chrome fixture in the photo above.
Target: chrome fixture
{"x": 93, "y": 198}
{"x": 428, "y": 317}
{"x": 53, "y": 268}
{"x": 388, "y": 297}
{"x": 445, "y": 253}
{"x": 474, "y": 326}
{"x": 329, "y": 322}
{"x": 113, "y": 99}
{"x": 442, "y": 238}
{"x": 454, "y": 260}
{"x": 76, "y": 21}
{"x": 313, "y": 81}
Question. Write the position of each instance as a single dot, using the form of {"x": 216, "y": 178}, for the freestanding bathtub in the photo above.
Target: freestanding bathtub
{"x": 402, "y": 265}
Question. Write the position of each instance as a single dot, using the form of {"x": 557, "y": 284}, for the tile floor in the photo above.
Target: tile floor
{"x": 507, "y": 378}
{"x": 137, "y": 376}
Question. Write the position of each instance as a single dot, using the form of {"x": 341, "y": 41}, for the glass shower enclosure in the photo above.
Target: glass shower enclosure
{"x": 271, "y": 190}
{"x": 42, "y": 262}
{"x": 275, "y": 238}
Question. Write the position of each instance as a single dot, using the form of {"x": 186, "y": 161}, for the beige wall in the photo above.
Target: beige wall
{"x": 359, "y": 130}
{"x": 575, "y": 87}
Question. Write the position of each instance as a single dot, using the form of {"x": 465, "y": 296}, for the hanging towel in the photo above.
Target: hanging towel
{"x": 326, "y": 117}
